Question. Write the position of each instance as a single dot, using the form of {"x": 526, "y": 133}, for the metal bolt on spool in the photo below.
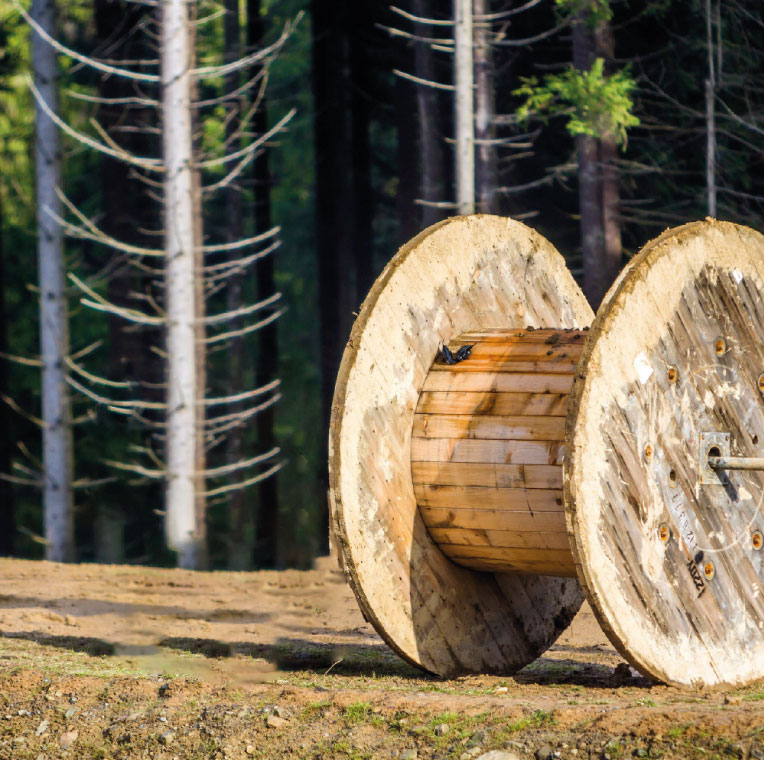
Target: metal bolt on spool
{"x": 478, "y": 501}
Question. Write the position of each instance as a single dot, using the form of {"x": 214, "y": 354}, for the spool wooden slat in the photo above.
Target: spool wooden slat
{"x": 496, "y": 475}
{"x": 494, "y": 427}
{"x": 494, "y": 519}
{"x": 461, "y": 402}
{"x": 486, "y": 451}
{"x": 468, "y": 497}
{"x": 487, "y": 382}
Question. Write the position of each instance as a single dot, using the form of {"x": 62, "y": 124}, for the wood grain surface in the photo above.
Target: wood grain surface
{"x": 649, "y": 382}
{"x": 521, "y": 438}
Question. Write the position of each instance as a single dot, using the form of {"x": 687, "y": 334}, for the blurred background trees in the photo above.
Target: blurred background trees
{"x": 600, "y": 123}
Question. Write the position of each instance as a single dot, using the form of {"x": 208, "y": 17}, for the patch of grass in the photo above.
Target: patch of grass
{"x": 756, "y": 696}
{"x": 93, "y": 751}
{"x": 537, "y": 719}
{"x": 358, "y": 712}
{"x": 345, "y": 748}
{"x": 205, "y": 749}
{"x": 315, "y": 710}
{"x": 460, "y": 727}
{"x": 647, "y": 702}
{"x": 677, "y": 731}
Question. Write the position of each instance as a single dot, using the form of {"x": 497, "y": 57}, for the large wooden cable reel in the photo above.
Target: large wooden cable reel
{"x": 466, "y": 496}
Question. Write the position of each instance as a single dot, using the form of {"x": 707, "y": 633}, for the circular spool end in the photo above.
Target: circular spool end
{"x": 465, "y": 273}
{"x": 667, "y": 560}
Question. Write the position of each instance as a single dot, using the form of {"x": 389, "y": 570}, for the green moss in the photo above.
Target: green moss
{"x": 358, "y": 712}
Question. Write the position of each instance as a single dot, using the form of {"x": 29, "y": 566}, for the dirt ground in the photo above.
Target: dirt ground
{"x": 133, "y": 662}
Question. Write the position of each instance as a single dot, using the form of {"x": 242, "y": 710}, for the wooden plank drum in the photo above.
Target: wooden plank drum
{"x": 478, "y": 495}
{"x": 487, "y": 449}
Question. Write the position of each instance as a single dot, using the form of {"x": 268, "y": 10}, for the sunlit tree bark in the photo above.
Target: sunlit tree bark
{"x": 54, "y": 318}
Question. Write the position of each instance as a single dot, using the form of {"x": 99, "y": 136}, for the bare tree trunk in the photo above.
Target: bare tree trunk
{"x": 431, "y": 145}
{"x": 598, "y": 191}
{"x": 464, "y": 107}
{"x": 359, "y": 38}
{"x": 486, "y": 175}
{"x": 201, "y": 556}
{"x": 54, "y": 318}
{"x": 181, "y": 282}
{"x": 239, "y": 552}
{"x": 612, "y": 248}
{"x": 407, "y": 160}
{"x": 590, "y": 210}
{"x": 7, "y": 514}
{"x": 267, "y": 522}
{"x": 710, "y": 117}
{"x": 333, "y": 229}
{"x": 592, "y": 247}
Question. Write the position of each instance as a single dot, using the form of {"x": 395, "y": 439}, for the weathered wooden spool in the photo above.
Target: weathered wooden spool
{"x": 476, "y": 503}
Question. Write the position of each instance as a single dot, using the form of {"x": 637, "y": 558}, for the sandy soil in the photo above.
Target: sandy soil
{"x": 128, "y": 662}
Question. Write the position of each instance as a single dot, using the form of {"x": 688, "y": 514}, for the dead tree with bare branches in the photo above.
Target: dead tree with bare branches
{"x": 187, "y": 425}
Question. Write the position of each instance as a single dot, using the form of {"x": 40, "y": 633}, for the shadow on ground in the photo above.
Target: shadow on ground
{"x": 291, "y": 654}
{"x": 302, "y": 655}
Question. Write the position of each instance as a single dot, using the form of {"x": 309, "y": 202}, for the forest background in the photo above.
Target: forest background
{"x": 656, "y": 104}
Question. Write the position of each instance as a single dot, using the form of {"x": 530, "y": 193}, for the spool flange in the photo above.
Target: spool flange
{"x": 674, "y": 354}
{"x": 462, "y": 274}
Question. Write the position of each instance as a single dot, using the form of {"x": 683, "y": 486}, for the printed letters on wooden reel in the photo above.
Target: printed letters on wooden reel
{"x": 464, "y": 274}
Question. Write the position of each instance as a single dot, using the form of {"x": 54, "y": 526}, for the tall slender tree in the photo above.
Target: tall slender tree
{"x": 54, "y": 317}
{"x": 486, "y": 168}
{"x": 239, "y": 514}
{"x": 181, "y": 200}
{"x": 334, "y": 233}
{"x": 360, "y": 20}
{"x": 596, "y": 152}
{"x": 710, "y": 93}
{"x": 464, "y": 106}
{"x": 267, "y": 522}
{"x": 7, "y": 513}
{"x": 128, "y": 212}
{"x": 429, "y": 119}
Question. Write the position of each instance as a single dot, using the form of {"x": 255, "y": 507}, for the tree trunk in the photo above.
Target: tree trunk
{"x": 266, "y": 527}
{"x": 464, "y": 107}
{"x": 428, "y": 111}
{"x": 407, "y": 159}
{"x": 184, "y": 385}
{"x": 54, "y": 317}
{"x": 710, "y": 116}
{"x": 7, "y": 514}
{"x": 598, "y": 191}
{"x": 486, "y": 175}
{"x": 359, "y": 35}
{"x": 590, "y": 210}
{"x": 333, "y": 225}
{"x": 609, "y": 187}
{"x": 239, "y": 552}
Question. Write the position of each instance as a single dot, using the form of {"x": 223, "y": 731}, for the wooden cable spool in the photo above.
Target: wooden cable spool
{"x": 476, "y": 503}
